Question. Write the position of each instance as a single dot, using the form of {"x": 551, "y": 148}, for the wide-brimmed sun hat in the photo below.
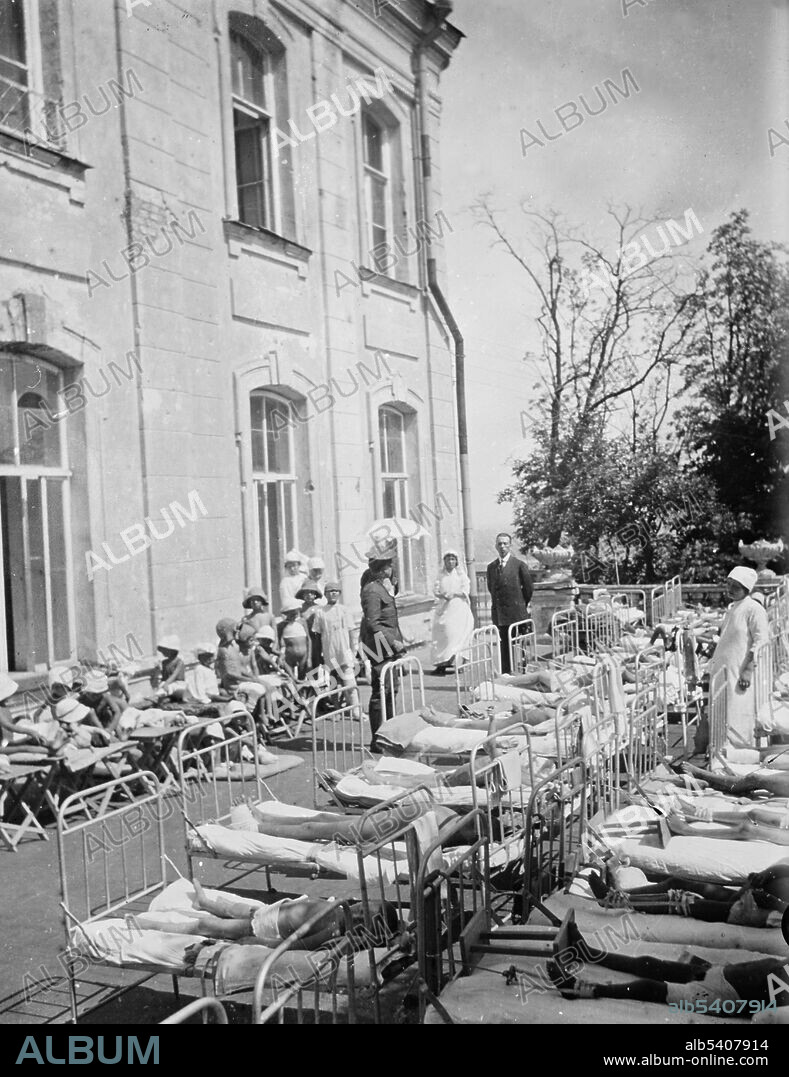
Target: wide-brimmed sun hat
{"x": 254, "y": 592}
{"x": 291, "y": 606}
{"x": 71, "y": 710}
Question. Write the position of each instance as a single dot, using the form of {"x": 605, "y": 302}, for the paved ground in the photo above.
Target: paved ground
{"x": 33, "y": 932}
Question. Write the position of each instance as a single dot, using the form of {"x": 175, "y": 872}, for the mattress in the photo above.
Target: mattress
{"x": 126, "y": 943}
{"x": 270, "y": 851}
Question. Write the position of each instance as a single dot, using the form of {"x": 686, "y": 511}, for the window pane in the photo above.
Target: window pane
{"x": 253, "y": 175}
{"x": 378, "y": 202}
{"x": 278, "y": 439}
{"x": 57, "y": 570}
{"x": 395, "y": 442}
{"x": 265, "y": 543}
{"x": 390, "y": 499}
{"x": 373, "y": 144}
{"x": 248, "y": 70}
{"x": 37, "y": 616}
{"x": 382, "y": 424}
{"x": 16, "y": 624}
{"x": 14, "y": 103}
{"x": 258, "y": 435}
{"x": 39, "y": 437}
{"x": 289, "y": 513}
{"x": 277, "y": 528}
{"x": 7, "y": 432}
{"x": 406, "y": 566}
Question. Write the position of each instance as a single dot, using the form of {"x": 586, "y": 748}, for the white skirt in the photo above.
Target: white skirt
{"x": 453, "y": 623}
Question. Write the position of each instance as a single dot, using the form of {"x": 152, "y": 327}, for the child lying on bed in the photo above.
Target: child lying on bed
{"x": 760, "y": 903}
{"x": 757, "y": 984}
{"x": 375, "y": 826}
{"x": 232, "y": 918}
{"x": 774, "y": 781}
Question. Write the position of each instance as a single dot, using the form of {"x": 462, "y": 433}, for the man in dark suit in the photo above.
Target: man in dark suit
{"x": 380, "y": 639}
{"x": 510, "y": 586}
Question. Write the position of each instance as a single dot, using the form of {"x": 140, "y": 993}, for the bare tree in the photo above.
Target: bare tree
{"x": 611, "y": 330}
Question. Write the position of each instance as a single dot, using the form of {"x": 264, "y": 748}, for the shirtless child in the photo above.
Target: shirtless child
{"x": 230, "y": 917}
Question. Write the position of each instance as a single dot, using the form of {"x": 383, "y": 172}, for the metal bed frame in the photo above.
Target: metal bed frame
{"x": 666, "y": 600}
{"x": 205, "y": 795}
{"x": 646, "y": 738}
{"x": 402, "y": 679}
{"x": 557, "y": 819}
{"x": 504, "y": 807}
{"x": 564, "y": 634}
{"x": 452, "y": 911}
{"x": 129, "y": 837}
{"x": 481, "y": 666}
{"x": 599, "y": 631}
{"x": 337, "y": 744}
{"x": 522, "y": 643}
{"x": 203, "y": 1006}
{"x": 717, "y": 707}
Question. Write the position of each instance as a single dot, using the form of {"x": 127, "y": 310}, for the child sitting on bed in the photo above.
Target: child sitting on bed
{"x": 760, "y": 903}
{"x": 758, "y": 983}
{"x": 229, "y": 917}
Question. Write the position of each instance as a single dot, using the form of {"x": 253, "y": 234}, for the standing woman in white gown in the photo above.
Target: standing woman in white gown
{"x": 453, "y": 621}
{"x": 744, "y": 627}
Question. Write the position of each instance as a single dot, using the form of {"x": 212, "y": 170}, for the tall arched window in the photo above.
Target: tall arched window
{"x": 397, "y": 433}
{"x": 37, "y": 623}
{"x": 274, "y": 475}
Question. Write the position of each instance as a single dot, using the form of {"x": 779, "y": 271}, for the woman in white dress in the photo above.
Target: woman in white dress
{"x": 453, "y": 621}
{"x": 744, "y": 627}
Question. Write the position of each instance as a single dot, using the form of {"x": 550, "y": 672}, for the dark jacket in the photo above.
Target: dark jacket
{"x": 510, "y": 591}
{"x": 380, "y": 628}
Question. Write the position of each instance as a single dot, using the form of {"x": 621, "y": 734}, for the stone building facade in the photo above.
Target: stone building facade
{"x": 216, "y": 336}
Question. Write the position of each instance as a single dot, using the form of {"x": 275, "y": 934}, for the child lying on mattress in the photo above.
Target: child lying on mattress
{"x": 231, "y": 918}
{"x": 374, "y": 826}
{"x": 760, "y": 903}
{"x": 756, "y": 984}
{"x": 772, "y": 780}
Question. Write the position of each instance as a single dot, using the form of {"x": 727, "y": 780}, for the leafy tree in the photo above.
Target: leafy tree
{"x": 738, "y": 354}
{"x": 634, "y": 514}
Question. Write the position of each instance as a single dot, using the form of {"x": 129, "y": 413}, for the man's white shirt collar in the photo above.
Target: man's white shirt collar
{"x": 503, "y": 560}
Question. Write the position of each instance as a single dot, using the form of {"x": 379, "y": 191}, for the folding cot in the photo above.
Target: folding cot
{"x": 18, "y": 816}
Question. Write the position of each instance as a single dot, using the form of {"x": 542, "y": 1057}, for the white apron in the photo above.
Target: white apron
{"x": 453, "y": 621}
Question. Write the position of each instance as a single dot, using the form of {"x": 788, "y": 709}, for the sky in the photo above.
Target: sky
{"x": 712, "y": 77}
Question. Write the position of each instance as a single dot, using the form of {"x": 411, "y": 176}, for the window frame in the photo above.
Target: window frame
{"x": 41, "y": 474}
{"x": 406, "y": 547}
{"x": 266, "y": 116}
{"x": 261, "y": 478}
{"x": 34, "y": 71}
{"x": 372, "y": 176}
